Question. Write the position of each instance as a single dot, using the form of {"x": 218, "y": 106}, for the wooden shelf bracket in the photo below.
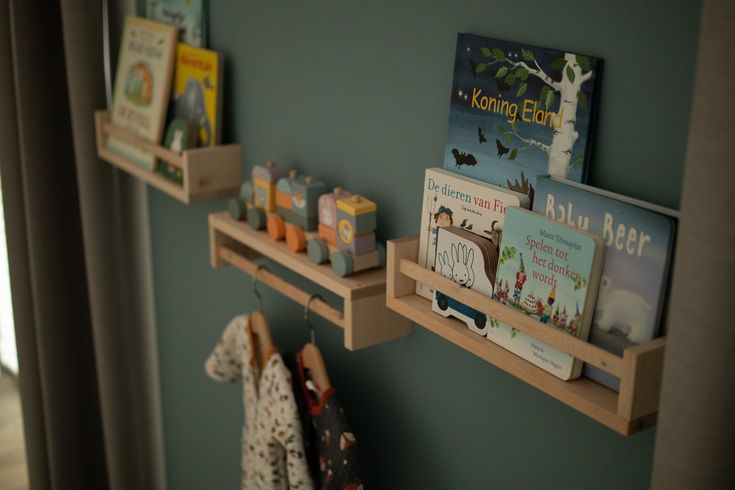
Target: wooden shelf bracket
{"x": 210, "y": 172}
{"x": 365, "y": 318}
{"x": 633, "y": 409}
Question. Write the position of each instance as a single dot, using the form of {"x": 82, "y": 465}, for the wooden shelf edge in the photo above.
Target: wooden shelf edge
{"x": 362, "y": 284}
{"x": 156, "y": 180}
{"x": 208, "y": 172}
{"x": 582, "y": 394}
{"x": 365, "y": 319}
{"x": 633, "y": 409}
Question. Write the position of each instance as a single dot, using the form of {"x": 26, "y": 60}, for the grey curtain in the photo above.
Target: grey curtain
{"x": 695, "y": 442}
{"x": 77, "y": 250}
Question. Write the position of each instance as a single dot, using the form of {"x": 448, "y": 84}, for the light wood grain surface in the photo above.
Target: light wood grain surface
{"x": 13, "y": 473}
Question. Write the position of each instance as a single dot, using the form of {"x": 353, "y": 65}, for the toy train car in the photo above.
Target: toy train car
{"x": 336, "y": 226}
{"x": 346, "y": 234}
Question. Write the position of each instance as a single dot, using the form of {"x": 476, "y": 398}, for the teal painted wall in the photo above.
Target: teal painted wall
{"x": 358, "y": 94}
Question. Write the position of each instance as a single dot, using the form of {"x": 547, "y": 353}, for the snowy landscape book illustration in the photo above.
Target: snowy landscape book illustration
{"x": 474, "y": 206}
{"x": 639, "y": 239}
{"x": 549, "y": 271}
{"x": 519, "y": 111}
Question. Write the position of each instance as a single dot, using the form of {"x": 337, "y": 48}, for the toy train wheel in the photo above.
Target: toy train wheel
{"x": 295, "y": 239}
{"x": 381, "y": 255}
{"x": 317, "y": 250}
{"x": 256, "y": 218}
{"x": 236, "y": 208}
{"x": 342, "y": 264}
{"x": 480, "y": 320}
{"x": 276, "y": 227}
{"x": 442, "y": 302}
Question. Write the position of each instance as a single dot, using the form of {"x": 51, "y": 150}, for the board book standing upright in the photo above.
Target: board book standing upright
{"x": 197, "y": 91}
{"x": 142, "y": 85}
{"x": 639, "y": 239}
{"x": 471, "y": 205}
{"x": 549, "y": 271}
{"x": 517, "y": 111}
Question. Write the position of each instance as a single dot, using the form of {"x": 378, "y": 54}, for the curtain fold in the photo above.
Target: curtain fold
{"x": 695, "y": 440}
{"x": 80, "y": 273}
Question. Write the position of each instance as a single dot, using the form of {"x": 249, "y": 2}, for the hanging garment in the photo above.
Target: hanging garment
{"x": 272, "y": 446}
{"x": 340, "y": 466}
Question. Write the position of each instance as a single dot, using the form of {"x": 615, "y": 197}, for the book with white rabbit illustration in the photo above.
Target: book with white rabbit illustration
{"x": 639, "y": 239}
{"x": 549, "y": 271}
{"x": 455, "y": 200}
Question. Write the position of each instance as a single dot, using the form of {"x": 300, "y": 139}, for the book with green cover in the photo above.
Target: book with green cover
{"x": 551, "y": 272}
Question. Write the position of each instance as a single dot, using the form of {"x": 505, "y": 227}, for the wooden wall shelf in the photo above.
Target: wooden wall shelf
{"x": 208, "y": 173}
{"x": 365, "y": 318}
{"x": 639, "y": 369}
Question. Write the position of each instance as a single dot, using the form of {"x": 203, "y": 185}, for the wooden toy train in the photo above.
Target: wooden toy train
{"x": 332, "y": 226}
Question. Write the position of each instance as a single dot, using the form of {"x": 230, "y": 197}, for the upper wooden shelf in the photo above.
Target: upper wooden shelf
{"x": 365, "y": 317}
{"x": 633, "y": 409}
{"x": 208, "y": 173}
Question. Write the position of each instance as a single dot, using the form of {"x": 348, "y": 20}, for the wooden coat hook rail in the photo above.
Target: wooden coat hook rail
{"x": 265, "y": 276}
{"x": 365, "y": 318}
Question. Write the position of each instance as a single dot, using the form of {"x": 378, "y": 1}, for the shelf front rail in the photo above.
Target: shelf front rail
{"x": 639, "y": 369}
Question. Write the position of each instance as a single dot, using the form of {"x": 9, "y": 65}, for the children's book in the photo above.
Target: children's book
{"x": 471, "y": 205}
{"x": 197, "y": 91}
{"x": 190, "y": 16}
{"x": 518, "y": 111}
{"x": 549, "y": 271}
{"x": 639, "y": 238}
{"x": 142, "y": 85}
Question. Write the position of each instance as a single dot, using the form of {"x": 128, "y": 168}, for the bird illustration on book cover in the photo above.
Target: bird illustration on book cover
{"x": 519, "y": 111}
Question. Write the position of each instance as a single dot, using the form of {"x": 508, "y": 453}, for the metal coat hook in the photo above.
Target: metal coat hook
{"x": 312, "y": 330}
{"x": 255, "y": 283}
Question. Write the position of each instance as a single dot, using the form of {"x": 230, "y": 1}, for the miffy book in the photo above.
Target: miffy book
{"x": 549, "y": 271}
{"x": 454, "y": 200}
{"x": 639, "y": 239}
{"x": 470, "y": 261}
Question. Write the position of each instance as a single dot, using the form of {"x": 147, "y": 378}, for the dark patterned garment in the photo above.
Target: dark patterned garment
{"x": 340, "y": 466}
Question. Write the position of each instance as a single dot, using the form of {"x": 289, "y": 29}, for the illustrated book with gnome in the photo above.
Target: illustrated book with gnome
{"x": 549, "y": 271}
{"x": 471, "y": 205}
{"x": 639, "y": 239}
{"x": 518, "y": 111}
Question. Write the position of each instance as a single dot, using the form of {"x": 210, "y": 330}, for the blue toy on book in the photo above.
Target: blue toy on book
{"x": 470, "y": 261}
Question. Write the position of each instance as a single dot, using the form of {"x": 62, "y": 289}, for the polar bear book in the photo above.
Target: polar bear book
{"x": 639, "y": 240}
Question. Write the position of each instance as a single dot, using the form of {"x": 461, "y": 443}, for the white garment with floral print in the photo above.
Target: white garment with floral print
{"x": 272, "y": 445}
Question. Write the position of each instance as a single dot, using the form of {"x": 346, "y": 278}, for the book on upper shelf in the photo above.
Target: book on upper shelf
{"x": 190, "y": 16}
{"x": 142, "y": 85}
{"x": 640, "y": 239}
{"x": 197, "y": 91}
{"x": 471, "y": 205}
{"x": 551, "y": 272}
{"x": 517, "y": 111}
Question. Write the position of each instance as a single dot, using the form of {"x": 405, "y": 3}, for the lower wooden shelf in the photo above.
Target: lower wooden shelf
{"x": 365, "y": 318}
{"x": 639, "y": 369}
{"x": 208, "y": 173}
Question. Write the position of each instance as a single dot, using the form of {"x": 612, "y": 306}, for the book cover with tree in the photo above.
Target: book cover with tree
{"x": 519, "y": 111}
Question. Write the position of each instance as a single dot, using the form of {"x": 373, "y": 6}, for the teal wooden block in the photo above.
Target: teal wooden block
{"x": 305, "y": 195}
